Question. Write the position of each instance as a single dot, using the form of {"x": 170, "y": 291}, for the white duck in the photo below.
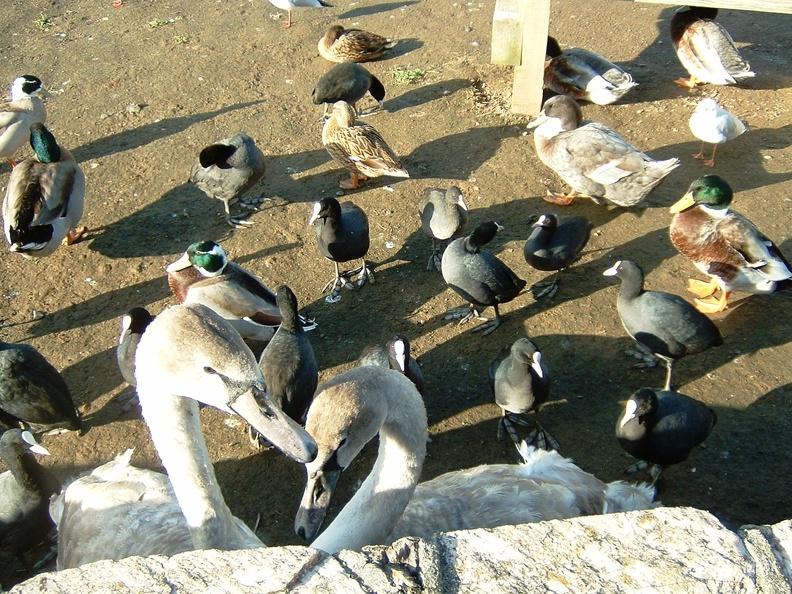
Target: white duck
{"x": 25, "y": 109}
{"x": 187, "y": 355}
{"x": 350, "y": 409}
{"x": 713, "y": 124}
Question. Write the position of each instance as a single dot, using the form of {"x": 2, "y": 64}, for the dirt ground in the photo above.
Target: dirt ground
{"x": 144, "y": 87}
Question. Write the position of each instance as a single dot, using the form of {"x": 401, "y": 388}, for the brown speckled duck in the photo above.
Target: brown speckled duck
{"x": 593, "y": 158}
{"x": 723, "y": 244}
{"x": 584, "y": 75}
{"x": 358, "y": 147}
{"x": 706, "y": 49}
{"x": 352, "y": 45}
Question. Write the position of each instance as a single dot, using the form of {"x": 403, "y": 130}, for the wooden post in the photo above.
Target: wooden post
{"x": 529, "y": 76}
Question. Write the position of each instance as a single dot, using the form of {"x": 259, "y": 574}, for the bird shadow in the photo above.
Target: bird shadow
{"x": 464, "y": 152}
{"x": 375, "y": 9}
{"x": 425, "y": 94}
{"x": 148, "y": 133}
{"x": 105, "y": 306}
{"x": 402, "y": 48}
{"x": 735, "y": 156}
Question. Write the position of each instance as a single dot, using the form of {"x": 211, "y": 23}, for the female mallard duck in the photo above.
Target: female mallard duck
{"x": 593, "y": 158}
{"x": 24, "y": 110}
{"x": 290, "y": 5}
{"x": 660, "y": 427}
{"x": 352, "y": 45}
{"x": 443, "y": 215}
{"x": 25, "y": 490}
{"x": 358, "y": 147}
{"x": 188, "y": 354}
{"x": 584, "y": 75}
{"x": 706, "y": 49}
{"x": 347, "y": 82}
{"x": 710, "y": 123}
{"x": 352, "y": 408}
{"x": 205, "y": 275}
{"x": 226, "y": 170}
{"x": 723, "y": 244}
{"x": 478, "y": 277}
{"x": 45, "y": 198}
{"x": 342, "y": 234}
{"x": 663, "y": 323}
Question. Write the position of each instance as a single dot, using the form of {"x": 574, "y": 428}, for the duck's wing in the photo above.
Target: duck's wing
{"x": 118, "y": 511}
{"x": 236, "y": 294}
{"x": 712, "y": 48}
{"x": 753, "y": 247}
{"x": 364, "y": 146}
{"x": 602, "y": 154}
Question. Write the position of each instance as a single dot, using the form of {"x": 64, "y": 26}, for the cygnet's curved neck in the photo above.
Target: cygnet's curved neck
{"x": 175, "y": 426}
{"x": 389, "y": 486}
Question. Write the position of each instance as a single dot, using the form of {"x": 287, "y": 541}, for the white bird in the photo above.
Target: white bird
{"x": 188, "y": 354}
{"x": 352, "y": 408}
{"x": 712, "y": 124}
{"x": 24, "y": 110}
{"x": 289, "y": 5}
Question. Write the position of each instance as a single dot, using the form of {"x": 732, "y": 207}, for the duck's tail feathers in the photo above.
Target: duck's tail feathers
{"x": 623, "y": 497}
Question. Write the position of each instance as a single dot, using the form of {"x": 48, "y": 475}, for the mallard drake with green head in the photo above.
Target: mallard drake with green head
{"x": 593, "y": 158}
{"x": 584, "y": 75}
{"x": 352, "y": 45}
{"x": 724, "y": 245}
{"x": 706, "y": 49}
{"x": 205, "y": 275}
{"x": 358, "y": 147}
{"x": 45, "y": 198}
{"x": 25, "y": 109}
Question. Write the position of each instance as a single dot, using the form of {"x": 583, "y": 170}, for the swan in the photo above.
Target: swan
{"x": 350, "y": 409}
{"x": 188, "y": 354}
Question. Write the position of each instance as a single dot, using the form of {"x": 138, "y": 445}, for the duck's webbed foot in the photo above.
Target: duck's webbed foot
{"x": 702, "y": 289}
{"x": 238, "y": 222}
{"x": 507, "y": 425}
{"x": 545, "y": 289}
{"x": 334, "y": 286}
{"x": 75, "y": 235}
{"x": 543, "y": 439}
{"x": 360, "y": 277}
{"x": 252, "y": 202}
{"x": 647, "y": 358}
{"x": 463, "y": 314}
{"x": 655, "y": 470}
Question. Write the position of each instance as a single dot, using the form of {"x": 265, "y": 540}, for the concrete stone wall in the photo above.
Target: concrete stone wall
{"x": 667, "y": 550}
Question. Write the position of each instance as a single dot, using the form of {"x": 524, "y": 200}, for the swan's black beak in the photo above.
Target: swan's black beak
{"x": 258, "y": 408}
{"x": 316, "y": 499}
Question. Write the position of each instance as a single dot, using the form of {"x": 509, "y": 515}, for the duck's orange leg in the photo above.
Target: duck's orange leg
{"x": 353, "y": 182}
{"x": 563, "y": 199}
{"x": 702, "y": 289}
{"x": 287, "y": 23}
{"x": 74, "y": 235}
{"x": 688, "y": 83}
{"x": 11, "y": 162}
{"x": 712, "y": 305}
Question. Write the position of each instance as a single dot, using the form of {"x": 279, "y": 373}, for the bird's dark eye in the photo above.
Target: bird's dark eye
{"x": 209, "y": 370}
